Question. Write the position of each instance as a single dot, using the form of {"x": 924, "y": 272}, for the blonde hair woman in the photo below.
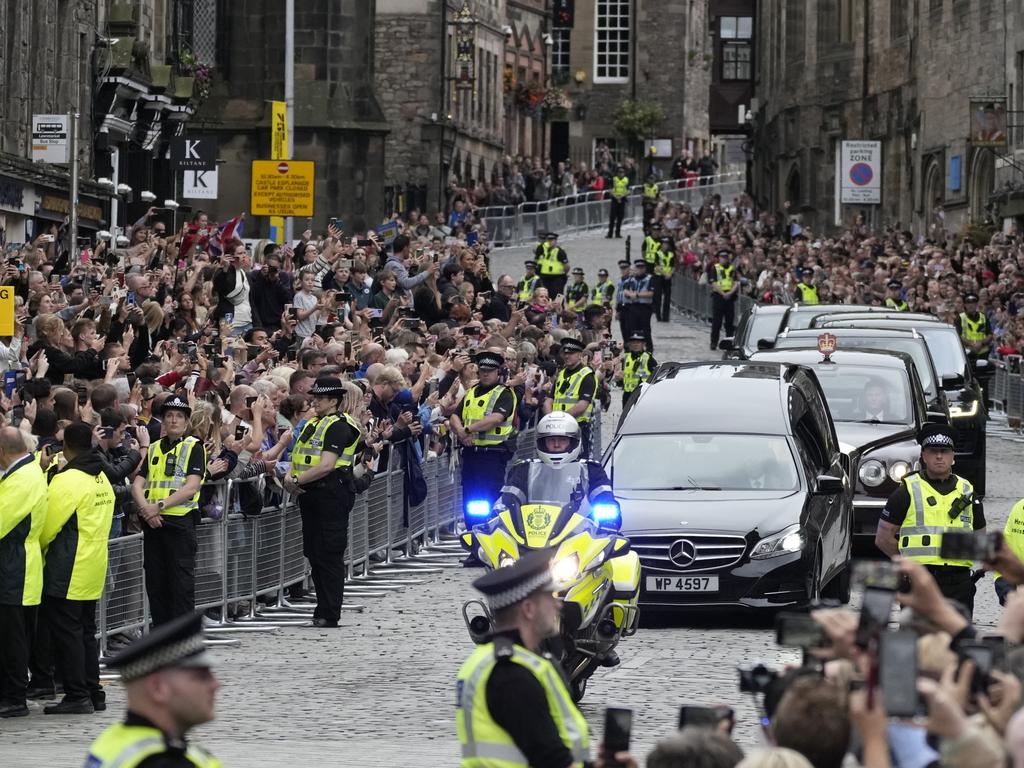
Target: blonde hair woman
{"x": 56, "y": 342}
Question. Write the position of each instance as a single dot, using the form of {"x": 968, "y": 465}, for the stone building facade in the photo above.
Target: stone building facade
{"x": 895, "y": 71}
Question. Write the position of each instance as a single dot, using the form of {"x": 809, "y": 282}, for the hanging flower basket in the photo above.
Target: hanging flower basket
{"x": 200, "y": 73}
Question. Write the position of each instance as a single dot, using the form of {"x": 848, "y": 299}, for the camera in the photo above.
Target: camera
{"x": 757, "y": 678}
{"x": 979, "y": 546}
{"x": 799, "y": 630}
{"x": 880, "y": 574}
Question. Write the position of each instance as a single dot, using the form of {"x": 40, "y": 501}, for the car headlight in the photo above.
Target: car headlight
{"x": 898, "y": 470}
{"x": 566, "y": 570}
{"x": 607, "y": 513}
{"x": 506, "y": 560}
{"x": 784, "y": 542}
{"x": 478, "y": 508}
{"x": 964, "y": 410}
{"x": 871, "y": 473}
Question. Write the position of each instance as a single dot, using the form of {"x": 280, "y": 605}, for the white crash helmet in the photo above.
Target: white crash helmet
{"x": 558, "y": 424}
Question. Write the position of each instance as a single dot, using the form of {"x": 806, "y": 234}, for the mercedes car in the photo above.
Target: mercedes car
{"x": 733, "y": 488}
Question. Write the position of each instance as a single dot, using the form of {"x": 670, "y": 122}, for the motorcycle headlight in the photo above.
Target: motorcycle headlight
{"x": 505, "y": 560}
{"x": 898, "y": 470}
{"x": 872, "y": 473}
{"x": 566, "y": 570}
{"x": 478, "y": 509}
{"x": 963, "y": 410}
{"x": 607, "y": 513}
{"x": 784, "y": 542}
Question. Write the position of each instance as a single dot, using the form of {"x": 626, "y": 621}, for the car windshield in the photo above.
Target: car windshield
{"x": 871, "y": 395}
{"x": 946, "y": 349}
{"x": 703, "y": 462}
{"x": 763, "y": 325}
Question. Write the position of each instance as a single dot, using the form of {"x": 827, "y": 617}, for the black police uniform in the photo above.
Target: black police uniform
{"x": 639, "y": 309}
{"x": 722, "y": 308}
{"x": 621, "y": 302}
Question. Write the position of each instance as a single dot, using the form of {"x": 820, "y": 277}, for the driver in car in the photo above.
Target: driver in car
{"x": 874, "y": 403}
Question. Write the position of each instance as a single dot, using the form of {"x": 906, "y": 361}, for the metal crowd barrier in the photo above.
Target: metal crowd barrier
{"x": 524, "y": 224}
{"x": 1009, "y": 387}
{"x": 694, "y": 299}
{"x": 246, "y": 562}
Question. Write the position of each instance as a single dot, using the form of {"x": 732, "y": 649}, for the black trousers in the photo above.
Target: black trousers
{"x": 623, "y": 317}
{"x": 554, "y": 283}
{"x": 955, "y": 583}
{"x": 721, "y": 309}
{"x": 170, "y": 565}
{"x": 662, "y": 297}
{"x": 75, "y": 651}
{"x": 483, "y": 475}
{"x": 618, "y": 213}
{"x": 13, "y": 654}
{"x": 40, "y": 643}
{"x": 325, "y": 511}
{"x": 585, "y": 447}
{"x": 639, "y": 320}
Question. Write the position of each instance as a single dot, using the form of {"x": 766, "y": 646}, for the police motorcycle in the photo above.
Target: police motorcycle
{"x": 557, "y": 502}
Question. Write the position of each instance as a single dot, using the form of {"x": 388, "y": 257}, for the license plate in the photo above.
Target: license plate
{"x": 682, "y": 583}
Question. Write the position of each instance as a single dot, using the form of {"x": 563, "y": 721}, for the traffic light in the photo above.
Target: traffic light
{"x": 564, "y": 13}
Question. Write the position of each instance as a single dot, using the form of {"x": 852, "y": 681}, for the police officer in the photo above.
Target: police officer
{"x": 807, "y": 291}
{"x": 638, "y": 365}
{"x": 325, "y": 478}
{"x": 170, "y": 689}
{"x": 927, "y": 504}
{"x": 892, "y": 298}
{"x": 652, "y": 244}
{"x": 22, "y": 514}
{"x": 166, "y": 493}
{"x": 664, "y": 268}
{"x": 621, "y": 302}
{"x": 651, "y": 197}
{"x": 575, "y": 388}
{"x": 80, "y": 510}
{"x": 483, "y": 424}
{"x": 725, "y": 287}
{"x": 1013, "y": 536}
{"x": 578, "y": 292}
{"x": 974, "y": 330}
{"x": 640, "y": 294}
{"x": 602, "y": 293}
{"x": 525, "y": 287}
{"x": 619, "y": 194}
{"x": 552, "y": 263}
{"x": 513, "y": 707}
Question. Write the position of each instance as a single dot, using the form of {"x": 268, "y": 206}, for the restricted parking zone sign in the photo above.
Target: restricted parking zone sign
{"x": 282, "y": 188}
{"x": 860, "y": 172}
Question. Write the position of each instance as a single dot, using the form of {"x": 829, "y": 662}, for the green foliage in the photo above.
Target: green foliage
{"x": 979, "y": 233}
{"x": 635, "y": 121}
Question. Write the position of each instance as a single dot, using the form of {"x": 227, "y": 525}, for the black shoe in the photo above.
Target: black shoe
{"x": 607, "y": 237}
{"x": 714, "y": 347}
{"x": 610, "y": 659}
{"x": 618, "y": 237}
{"x": 324, "y": 623}
{"x": 42, "y": 694}
{"x": 100, "y": 705}
{"x": 14, "y": 710}
{"x": 72, "y": 707}
{"x": 472, "y": 562}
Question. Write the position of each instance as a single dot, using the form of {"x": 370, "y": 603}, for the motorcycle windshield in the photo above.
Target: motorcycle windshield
{"x": 562, "y": 486}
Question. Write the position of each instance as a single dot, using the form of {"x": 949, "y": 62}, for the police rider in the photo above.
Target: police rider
{"x": 927, "y": 504}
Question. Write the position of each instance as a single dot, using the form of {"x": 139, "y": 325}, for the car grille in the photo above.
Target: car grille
{"x": 710, "y": 551}
{"x": 966, "y": 437}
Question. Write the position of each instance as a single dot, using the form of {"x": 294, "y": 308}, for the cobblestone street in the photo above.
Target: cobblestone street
{"x": 380, "y": 691}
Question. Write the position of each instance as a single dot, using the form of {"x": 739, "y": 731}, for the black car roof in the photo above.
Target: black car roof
{"x": 717, "y": 396}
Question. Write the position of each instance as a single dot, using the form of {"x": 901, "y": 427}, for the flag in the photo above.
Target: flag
{"x": 226, "y": 232}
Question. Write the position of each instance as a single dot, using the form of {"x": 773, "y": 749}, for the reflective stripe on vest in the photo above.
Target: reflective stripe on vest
{"x": 808, "y": 293}
{"x": 620, "y": 187}
{"x": 665, "y": 266}
{"x": 972, "y": 331}
{"x": 306, "y": 453}
{"x": 126, "y": 746}
{"x": 548, "y": 262}
{"x": 160, "y": 485}
{"x": 724, "y": 276}
{"x": 485, "y": 744}
{"x": 635, "y": 370}
{"x": 599, "y": 293}
{"x": 650, "y": 190}
{"x": 525, "y": 288}
{"x": 920, "y": 536}
{"x": 567, "y": 392}
{"x": 475, "y": 408}
{"x": 651, "y": 248}
{"x": 899, "y": 306}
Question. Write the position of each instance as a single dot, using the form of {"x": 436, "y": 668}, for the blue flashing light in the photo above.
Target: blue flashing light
{"x": 478, "y": 508}
{"x": 607, "y": 512}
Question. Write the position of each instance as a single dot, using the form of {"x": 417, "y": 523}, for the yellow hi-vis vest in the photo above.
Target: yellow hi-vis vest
{"x": 567, "y": 392}
{"x": 525, "y": 288}
{"x": 125, "y": 746}
{"x": 651, "y": 250}
{"x": 620, "y": 187}
{"x": 808, "y": 293}
{"x": 160, "y": 484}
{"x": 601, "y": 294}
{"x": 724, "y": 276}
{"x": 548, "y": 262}
{"x": 310, "y": 445}
{"x": 973, "y": 331}
{"x": 899, "y": 306}
{"x": 485, "y": 744}
{"x": 665, "y": 266}
{"x": 23, "y": 501}
{"x": 1013, "y": 533}
{"x": 920, "y": 536}
{"x": 635, "y": 370}
{"x": 650, "y": 192}
{"x": 475, "y": 408}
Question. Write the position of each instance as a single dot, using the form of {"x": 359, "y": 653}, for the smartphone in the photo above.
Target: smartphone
{"x": 129, "y": 298}
{"x": 618, "y": 725}
{"x": 348, "y": 350}
{"x": 240, "y": 432}
{"x": 182, "y": 348}
{"x": 874, "y": 614}
{"x": 83, "y": 394}
{"x": 10, "y": 382}
{"x": 249, "y": 401}
{"x": 799, "y": 630}
{"x": 705, "y": 717}
{"x": 131, "y": 377}
{"x": 132, "y": 432}
{"x": 983, "y": 656}
{"x": 107, "y": 432}
{"x": 376, "y": 313}
{"x": 120, "y": 279}
{"x": 364, "y": 243}
{"x": 897, "y": 659}
{"x": 293, "y": 312}
{"x": 979, "y": 546}
{"x": 17, "y": 414}
{"x": 193, "y": 353}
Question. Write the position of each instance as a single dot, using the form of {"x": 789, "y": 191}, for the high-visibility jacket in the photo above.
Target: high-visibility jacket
{"x": 160, "y": 483}
{"x": 548, "y": 262}
{"x": 665, "y": 265}
{"x": 526, "y": 286}
{"x": 651, "y": 249}
{"x": 972, "y": 331}
{"x": 485, "y": 744}
{"x": 577, "y": 294}
{"x": 22, "y": 515}
{"x": 636, "y": 369}
{"x": 126, "y": 746}
{"x": 899, "y": 305}
{"x": 602, "y": 293}
{"x": 567, "y": 392}
{"x": 1013, "y": 532}
{"x": 920, "y": 536}
{"x": 808, "y": 293}
{"x": 620, "y": 187}
{"x": 725, "y": 276}
{"x": 476, "y": 407}
{"x": 80, "y": 509}
{"x": 650, "y": 193}
{"x": 310, "y": 445}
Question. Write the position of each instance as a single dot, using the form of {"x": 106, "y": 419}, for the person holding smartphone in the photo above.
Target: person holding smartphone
{"x": 512, "y": 704}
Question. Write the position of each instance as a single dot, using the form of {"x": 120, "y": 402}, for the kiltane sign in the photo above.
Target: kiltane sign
{"x": 282, "y": 188}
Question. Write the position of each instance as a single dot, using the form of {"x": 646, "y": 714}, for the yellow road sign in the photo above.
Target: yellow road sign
{"x": 6, "y": 310}
{"x": 282, "y": 188}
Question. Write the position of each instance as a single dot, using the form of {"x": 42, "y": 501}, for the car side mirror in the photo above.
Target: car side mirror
{"x": 981, "y": 363}
{"x": 952, "y": 382}
{"x": 937, "y": 417}
{"x": 725, "y": 344}
{"x": 828, "y": 485}
{"x": 766, "y": 343}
